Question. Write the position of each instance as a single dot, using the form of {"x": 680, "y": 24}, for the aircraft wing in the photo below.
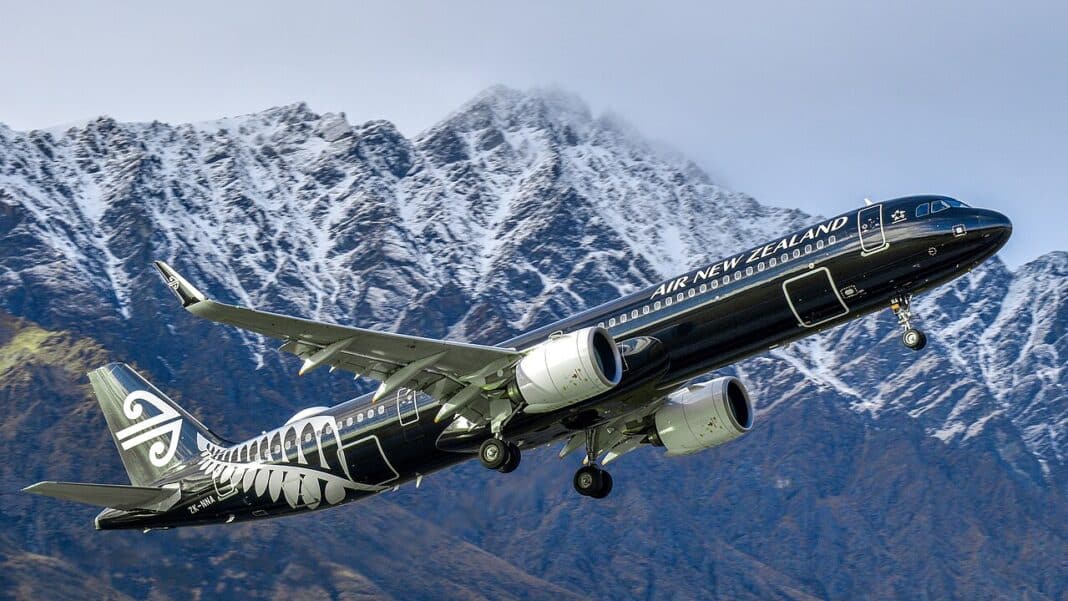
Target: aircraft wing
{"x": 445, "y": 370}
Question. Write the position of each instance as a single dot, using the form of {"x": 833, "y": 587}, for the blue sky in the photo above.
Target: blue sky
{"x": 809, "y": 104}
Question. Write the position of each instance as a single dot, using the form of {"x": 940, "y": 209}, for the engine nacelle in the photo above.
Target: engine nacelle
{"x": 568, "y": 369}
{"x": 704, "y": 415}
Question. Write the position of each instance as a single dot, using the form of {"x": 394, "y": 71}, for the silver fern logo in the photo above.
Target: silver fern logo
{"x": 302, "y": 463}
{"x": 165, "y": 428}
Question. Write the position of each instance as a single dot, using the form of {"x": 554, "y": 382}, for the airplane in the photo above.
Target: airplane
{"x": 626, "y": 374}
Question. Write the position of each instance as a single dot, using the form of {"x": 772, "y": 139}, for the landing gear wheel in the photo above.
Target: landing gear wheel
{"x": 606, "y": 486}
{"x": 902, "y": 308}
{"x": 592, "y": 481}
{"x": 914, "y": 339}
{"x": 587, "y": 480}
{"x": 493, "y": 453}
{"x": 514, "y": 457}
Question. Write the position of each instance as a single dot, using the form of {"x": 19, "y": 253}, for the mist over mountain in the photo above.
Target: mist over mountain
{"x": 872, "y": 471}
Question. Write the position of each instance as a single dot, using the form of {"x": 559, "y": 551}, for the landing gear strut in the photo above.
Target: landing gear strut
{"x": 902, "y": 308}
{"x": 496, "y": 454}
{"x": 590, "y": 480}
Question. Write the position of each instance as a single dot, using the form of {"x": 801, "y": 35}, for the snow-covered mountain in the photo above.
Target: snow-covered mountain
{"x": 517, "y": 209}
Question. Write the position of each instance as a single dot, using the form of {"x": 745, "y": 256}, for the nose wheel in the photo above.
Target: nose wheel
{"x": 902, "y": 308}
{"x": 496, "y": 454}
{"x": 914, "y": 339}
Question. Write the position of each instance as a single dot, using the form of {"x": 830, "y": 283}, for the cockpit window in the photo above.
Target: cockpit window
{"x": 923, "y": 209}
{"x": 953, "y": 202}
{"x": 939, "y": 205}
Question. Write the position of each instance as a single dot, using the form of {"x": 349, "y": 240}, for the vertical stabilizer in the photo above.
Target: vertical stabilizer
{"x": 153, "y": 434}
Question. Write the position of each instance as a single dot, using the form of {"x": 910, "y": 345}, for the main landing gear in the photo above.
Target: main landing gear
{"x": 911, "y": 338}
{"x": 590, "y": 480}
{"x": 496, "y": 454}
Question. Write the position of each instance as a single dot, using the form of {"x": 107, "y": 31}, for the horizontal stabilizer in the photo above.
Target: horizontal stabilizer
{"x": 150, "y": 498}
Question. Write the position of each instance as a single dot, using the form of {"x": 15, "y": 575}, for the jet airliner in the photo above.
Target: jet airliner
{"x": 623, "y": 375}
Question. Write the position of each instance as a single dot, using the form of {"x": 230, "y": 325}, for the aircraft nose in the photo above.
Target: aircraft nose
{"x": 996, "y": 223}
{"x": 993, "y": 227}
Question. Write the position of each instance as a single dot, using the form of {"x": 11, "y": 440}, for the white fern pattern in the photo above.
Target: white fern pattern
{"x": 294, "y": 463}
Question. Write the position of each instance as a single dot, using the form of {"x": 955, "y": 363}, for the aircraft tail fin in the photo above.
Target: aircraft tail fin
{"x": 153, "y": 434}
{"x": 116, "y": 496}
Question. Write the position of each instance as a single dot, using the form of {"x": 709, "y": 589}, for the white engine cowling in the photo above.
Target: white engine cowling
{"x": 704, "y": 415}
{"x": 568, "y": 369}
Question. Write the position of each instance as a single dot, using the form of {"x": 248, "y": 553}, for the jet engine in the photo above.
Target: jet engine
{"x": 705, "y": 415}
{"x": 567, "y": 369}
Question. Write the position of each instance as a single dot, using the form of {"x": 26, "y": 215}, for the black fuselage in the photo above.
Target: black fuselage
{"x": 670, "y": 333}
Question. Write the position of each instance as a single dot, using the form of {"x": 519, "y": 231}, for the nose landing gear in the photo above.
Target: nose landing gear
{"x": 902, "y": 308}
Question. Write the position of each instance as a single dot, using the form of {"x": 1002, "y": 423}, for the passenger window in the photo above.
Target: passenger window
{"x": 656, "y": 306}
{"x": 715, "y": 284}
{"x": 348, "y": 422}
{"x": 623, "y": 318}
{"x": 784, "y": 258}
{"x": 938, "y": 205}
{"x": 634, "y": 314}
{"x": 645, "y": 310}
{"x": 679, "y": 297}
{"x": 797, "y": 253}
{"x": 381, "y": 409}
{"x": 726, "y": 280}
{"x": 772, "y": 262}
{"x": 922, "y": 210}
{"x": 819, "y": 244}
{"x": 691, "y": 293}
{"x": 748, "y": 271}
{"x": 612, "y": 322}
{"x": 760, "y": 266}
{"x": 737, "y": 275}
{"x": 667, "y": 302}
{"x": 831, "y": 239}
{"x": 704, "y": 288}
{"x": 808, "y": 248}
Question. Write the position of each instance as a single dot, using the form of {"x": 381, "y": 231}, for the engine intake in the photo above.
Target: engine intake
{"x": 568, "y": 369}
{"x": 704, "y": 415}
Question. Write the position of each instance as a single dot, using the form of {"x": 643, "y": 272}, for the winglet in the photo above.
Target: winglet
{"x": 186, "y": 292}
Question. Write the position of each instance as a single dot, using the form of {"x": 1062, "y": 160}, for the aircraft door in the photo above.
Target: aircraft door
{"x": 870, "y": 225}
{"x": 813, "y": 297}
{"x": 407, "y": 406}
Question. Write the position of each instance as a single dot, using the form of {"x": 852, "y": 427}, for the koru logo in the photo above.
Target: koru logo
{"x": 168, "y": 424}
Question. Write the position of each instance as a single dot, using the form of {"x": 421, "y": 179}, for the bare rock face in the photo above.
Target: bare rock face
{"x": 872, "y": 471}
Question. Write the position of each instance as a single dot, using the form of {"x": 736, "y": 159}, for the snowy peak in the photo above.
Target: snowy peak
{"x": 508, "y": 109}
{"x": 1054, "y": 264}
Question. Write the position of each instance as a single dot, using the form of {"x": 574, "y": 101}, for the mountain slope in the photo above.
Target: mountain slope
{"x": 872, "y": 471}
